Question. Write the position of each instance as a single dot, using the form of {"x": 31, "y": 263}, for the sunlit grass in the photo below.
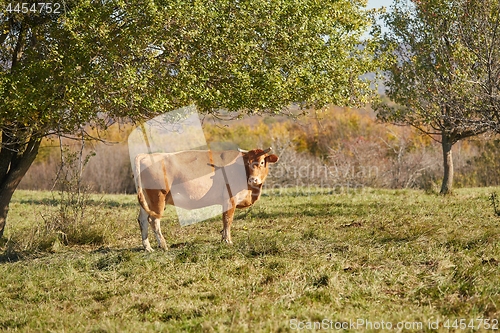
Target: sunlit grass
{"x": 379, "y": 255}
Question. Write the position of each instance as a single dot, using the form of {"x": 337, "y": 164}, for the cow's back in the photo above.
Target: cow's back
{"x": 192, "y": 179}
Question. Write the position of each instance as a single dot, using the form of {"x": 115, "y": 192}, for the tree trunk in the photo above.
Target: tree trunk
{"x": 447, "y": 185}
{"x": 5, "y": 197}
{"x": 13, "y": 167}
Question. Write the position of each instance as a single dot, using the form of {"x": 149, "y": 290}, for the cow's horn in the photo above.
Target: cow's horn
{"x": 265, "y": 151}
{"x": 242, "y": 151}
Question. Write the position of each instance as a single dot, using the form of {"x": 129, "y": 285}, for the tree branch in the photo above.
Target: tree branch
{"x": 16, "y": 56}
{"x": 3, "y": 37}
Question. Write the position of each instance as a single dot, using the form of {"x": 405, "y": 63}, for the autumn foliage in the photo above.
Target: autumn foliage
{"x": 341, "y": 149}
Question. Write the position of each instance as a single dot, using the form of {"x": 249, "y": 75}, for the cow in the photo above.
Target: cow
{"x": 195, "y": 179}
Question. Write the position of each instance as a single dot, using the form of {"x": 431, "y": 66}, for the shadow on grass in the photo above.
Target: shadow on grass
{"x": 11, "y": 254}
{"x": 90, "y": 202}
{"x": 107, "y": 250}
{"x": 12, "y": 257}
{"x": 315, "y": 209}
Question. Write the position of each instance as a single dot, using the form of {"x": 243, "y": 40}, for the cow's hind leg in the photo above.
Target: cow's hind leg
{"x": 227, "y": 220}
{"x": 143, "y": 224}
{"x": 155, "y": 225}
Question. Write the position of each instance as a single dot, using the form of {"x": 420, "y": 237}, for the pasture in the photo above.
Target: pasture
{"x": 299, "y": 260}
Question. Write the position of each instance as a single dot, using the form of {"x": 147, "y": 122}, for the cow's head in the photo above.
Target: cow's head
{"x": 257, "y": 165}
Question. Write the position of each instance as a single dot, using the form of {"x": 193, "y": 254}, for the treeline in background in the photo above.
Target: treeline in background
{"x": 338, "y": 148}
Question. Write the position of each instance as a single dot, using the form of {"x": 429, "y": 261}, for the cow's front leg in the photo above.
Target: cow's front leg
{"x": 227, "y": 220}
{"x": 155, "y": 225}
{"x": 143, "y": 224}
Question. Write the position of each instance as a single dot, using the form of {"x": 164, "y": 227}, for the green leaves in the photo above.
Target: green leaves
{"x": 136, "y": 59}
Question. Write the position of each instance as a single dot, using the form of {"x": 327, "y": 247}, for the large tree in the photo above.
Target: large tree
{"x": 88, "y": 61}
{"x": 444, "y": 78}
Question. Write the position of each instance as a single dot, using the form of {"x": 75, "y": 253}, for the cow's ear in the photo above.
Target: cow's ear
{"x": 272, "y": 159}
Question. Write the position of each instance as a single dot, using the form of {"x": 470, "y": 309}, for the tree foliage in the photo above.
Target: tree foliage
{"x": 95, "y": 61}
{"x": 444, "y": 78}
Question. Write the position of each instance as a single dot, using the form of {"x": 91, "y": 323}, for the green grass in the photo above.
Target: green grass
{"x": 378, "y": 255}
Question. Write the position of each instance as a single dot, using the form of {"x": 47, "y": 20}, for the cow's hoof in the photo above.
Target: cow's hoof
{"x": 227, "y": 241}
{"x": 149, "y": 249}
{"x": 163, "y": 246}
{"x": 225, "y": 238}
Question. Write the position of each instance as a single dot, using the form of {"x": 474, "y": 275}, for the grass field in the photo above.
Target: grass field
{"x": 364, "y": 261}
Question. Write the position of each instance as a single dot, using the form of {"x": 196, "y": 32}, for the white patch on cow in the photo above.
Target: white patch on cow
{"x": 143, "y": 223}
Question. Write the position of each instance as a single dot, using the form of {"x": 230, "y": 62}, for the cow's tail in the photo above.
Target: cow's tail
{"x": 140, "y": 193}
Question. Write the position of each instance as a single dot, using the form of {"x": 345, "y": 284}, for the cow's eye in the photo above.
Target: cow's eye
{"x": 262, "y": 162}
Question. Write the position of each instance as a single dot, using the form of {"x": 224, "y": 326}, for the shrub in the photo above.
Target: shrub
{"x": 484, "y": 168}
{"x": 72, "y": 217}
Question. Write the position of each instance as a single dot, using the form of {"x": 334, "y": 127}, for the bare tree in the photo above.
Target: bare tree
{"x": 445, "y": 74}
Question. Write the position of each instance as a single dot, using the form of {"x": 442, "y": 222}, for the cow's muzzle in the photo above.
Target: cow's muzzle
{"x": 254, "y": 181}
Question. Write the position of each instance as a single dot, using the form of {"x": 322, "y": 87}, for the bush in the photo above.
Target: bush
{"x": 484, "y": 168}
{"x": 72, "y": 217}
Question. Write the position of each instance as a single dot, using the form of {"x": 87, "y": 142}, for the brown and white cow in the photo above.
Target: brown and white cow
{"x": 196, "y": 179}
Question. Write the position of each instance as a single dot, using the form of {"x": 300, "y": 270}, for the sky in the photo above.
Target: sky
{"x": 379, "y": 3}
